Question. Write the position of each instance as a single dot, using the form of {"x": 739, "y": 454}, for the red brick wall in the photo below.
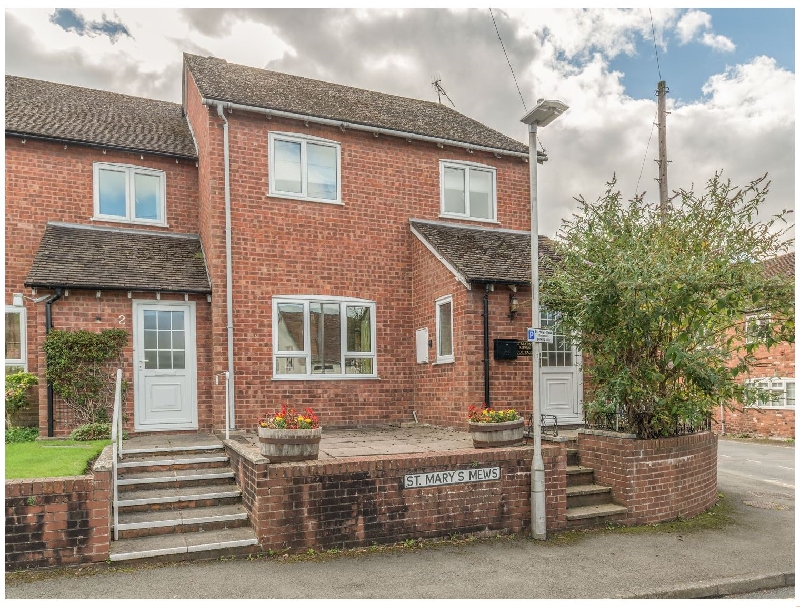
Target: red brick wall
{"x": 657, "y": 480}
{"x": 50, "y": 182}
{"x": 359, "y": 249}
{"x": 358, "y": 502}
{"x": 769, "y": 423}
{"x": 58, "y": 521}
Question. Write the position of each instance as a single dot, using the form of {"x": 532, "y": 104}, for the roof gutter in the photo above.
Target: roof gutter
{"x": 369, "y": 129}
{"x": 228, "y": 263}
{"x": 99, "y": 146}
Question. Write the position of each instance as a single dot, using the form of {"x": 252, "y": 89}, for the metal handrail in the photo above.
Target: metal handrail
{"x": 116, "y": 435}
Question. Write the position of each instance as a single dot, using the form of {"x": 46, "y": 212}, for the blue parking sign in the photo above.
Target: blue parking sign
{"x": 531, "y": 334}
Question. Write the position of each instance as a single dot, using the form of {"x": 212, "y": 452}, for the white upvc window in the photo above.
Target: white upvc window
{"x": 129, "y": 193}
{"x": 16, "y": 333}
{"x": 305, "y": 168}
{"x": 756, "y": 327}
{"x": 444, "y": 329}
{"x": 468, "y": 190}
{"x": 323, "y": 337}
{"x": 780, "y": 389}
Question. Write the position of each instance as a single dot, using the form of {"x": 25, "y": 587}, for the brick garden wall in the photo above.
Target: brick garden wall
{"x": 360, "y": 501}
{"x": 657, "y": 480}
{"x": 59, "y": 521}
{"x": 768, "y": 423}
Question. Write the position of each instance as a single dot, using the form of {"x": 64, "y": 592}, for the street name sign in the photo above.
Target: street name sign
{"x": 544, "y": 336}
{"x": 451, "y": 477}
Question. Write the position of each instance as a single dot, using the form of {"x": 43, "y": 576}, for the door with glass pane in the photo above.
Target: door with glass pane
{"x": 562, "y": 380}
{"x": 165, "y": 362}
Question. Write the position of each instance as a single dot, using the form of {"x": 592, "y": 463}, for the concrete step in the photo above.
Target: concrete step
{"x": 587, "y": 495}
{"x": 131, "y": 481}
{"x": 177, "y": 498}
{"x": 590, "y": 517}
{"x": 177, "y": 450}
{"x": 187, "y": 546}
{"x": 154, "y": 462}
{"x": 579, "y": 475}
{"x": 159, "y": 522}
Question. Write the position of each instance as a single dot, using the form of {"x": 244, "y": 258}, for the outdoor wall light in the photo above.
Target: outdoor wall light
{"x": 17, "y": 300}
{"x": 513, "y": 305}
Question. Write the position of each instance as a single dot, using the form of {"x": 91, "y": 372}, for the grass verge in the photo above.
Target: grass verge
{"x": 42, "y": 459}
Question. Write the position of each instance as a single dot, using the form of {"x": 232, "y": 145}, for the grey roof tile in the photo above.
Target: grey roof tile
{"x": 38, "y": 108}
{"x": 84, "y": 257}
{"x": 485, "y": 254}
{"x": 223, "y": 81}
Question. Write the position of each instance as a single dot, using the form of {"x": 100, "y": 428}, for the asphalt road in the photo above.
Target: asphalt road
{"x": 604, "y": 564}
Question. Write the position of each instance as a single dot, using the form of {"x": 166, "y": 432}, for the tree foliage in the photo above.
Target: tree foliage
{"x": 17, "y": 386}
{"x": 659, "y": 304}
{"x": 81, "y": 366}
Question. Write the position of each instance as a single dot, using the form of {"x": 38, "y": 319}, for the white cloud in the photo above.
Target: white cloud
{"x": 689, "y": 29}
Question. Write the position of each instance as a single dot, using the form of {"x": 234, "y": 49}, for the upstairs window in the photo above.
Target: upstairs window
{"x": 468, "y": 190}
{"x": 124, "y": 192}
{"x": 16, "y": 359}
{"x": 779, "y": 391}
{"x": 305, "y": 168}
{"x": 323, "y": 338}
{"x": 757, "y": 327}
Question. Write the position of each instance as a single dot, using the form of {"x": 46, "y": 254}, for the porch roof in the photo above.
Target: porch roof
{"x": 484, "y": 254}
{"x": 96, "y": 258}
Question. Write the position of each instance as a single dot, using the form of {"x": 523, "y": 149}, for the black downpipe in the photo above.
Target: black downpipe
{"x": 486, "y": 347}
{"x": 48, "y": 324}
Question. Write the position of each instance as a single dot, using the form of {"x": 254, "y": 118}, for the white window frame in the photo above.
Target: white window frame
{"x": 773, "y": 384}
{"x": 305, "y": 301}
{"x": 23, "y": 338}
{"x": 764, "y": 318}
{"x": 304, "y": 140}
{"x": 444, "y": 358}
{"x": 460, "y": 164}
{"x": 130, "y": 171}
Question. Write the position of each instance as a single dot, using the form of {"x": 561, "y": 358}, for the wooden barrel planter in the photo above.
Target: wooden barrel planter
{"x": 289, "y": 445}
{"x": 503, "y": 434}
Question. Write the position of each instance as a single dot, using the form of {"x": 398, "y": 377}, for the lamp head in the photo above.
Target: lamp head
{"x": 545, "y": 112}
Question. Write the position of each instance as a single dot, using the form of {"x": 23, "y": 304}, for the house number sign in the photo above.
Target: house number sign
{"x": 450, "y": 477}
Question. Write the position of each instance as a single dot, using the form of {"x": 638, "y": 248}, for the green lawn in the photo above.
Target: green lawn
{"x": 42, "y": 459}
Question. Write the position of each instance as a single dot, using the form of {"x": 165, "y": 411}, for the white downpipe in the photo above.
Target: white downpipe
{"x": 227, "y": 410}
{"x": 538, "y": 519}
{"x": 229, "y": 400}
{"x": 363, "y": 127}
{"x": 116, "y": 451}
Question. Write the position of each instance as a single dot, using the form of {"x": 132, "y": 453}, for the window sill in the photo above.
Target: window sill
{"x": 770, "y": 407}
{"x": 444, "y": 361}
{"x": 131, "y": 222}
{"x": 323, "y": 377}
{"x": 304, "y": 199}
{"x": 465, "y": 218}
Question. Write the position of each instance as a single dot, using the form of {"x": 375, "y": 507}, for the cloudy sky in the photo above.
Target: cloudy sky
{"x": 730, "y": 74}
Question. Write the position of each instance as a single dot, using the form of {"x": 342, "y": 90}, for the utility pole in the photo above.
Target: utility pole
{"x": 662, "y": 148}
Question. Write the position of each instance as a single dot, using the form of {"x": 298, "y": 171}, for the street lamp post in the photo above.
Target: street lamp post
{"x": 543, "y": 114}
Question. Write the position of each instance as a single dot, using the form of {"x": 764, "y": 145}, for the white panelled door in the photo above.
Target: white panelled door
{"x": 165, "y": 366}
{"x": 562, "y": 379}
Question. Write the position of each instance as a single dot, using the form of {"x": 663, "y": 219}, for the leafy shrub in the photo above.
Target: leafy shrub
{"x": 93, "y": 431}
{"x": 17, "y": 386}
{"x": 16, "y": 434}
{"x": 81, "y": 367}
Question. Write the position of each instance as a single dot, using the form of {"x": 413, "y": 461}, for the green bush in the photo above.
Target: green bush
{"x": 94, "y": 431}
{"x": 81, "y": 367}
{"x": 17, "y": 385}
{"x": 15, "y": 434}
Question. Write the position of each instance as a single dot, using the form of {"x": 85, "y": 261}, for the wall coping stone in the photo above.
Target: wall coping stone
{"x": 610, "y": 433}
{"x": 249, "y": 454}
{"x": 105, "y": 461}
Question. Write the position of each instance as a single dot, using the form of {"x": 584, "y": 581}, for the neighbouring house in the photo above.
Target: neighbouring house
{"x": 773, "y": 370}
{"x": 356, "y": 252}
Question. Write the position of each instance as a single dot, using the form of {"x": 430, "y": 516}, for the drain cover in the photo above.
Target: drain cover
{"x": 764, "y": 505}
{"x": 770, "y": 494}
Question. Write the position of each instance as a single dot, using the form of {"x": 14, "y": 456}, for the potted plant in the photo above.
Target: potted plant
{"x": 495, "y": 427}
{"x": 288, "y": 436}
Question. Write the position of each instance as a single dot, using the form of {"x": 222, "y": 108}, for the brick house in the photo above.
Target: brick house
{"x": 355, "y": 252}
{"x": 774, "y": 371}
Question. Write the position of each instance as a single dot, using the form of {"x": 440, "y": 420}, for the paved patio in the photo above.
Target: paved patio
{"x": 339, "y": 442}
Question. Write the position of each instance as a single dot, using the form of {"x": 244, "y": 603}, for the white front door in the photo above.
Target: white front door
{"x": 562, "y": 379}
{"x": 165, "y": 366}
